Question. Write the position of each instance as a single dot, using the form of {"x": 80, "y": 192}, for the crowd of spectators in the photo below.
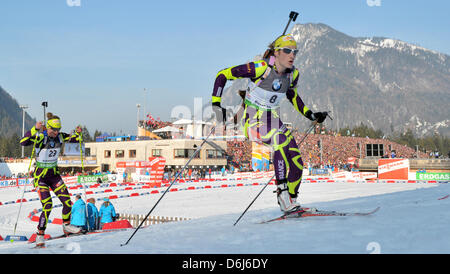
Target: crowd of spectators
{"x": 241, "y": 152}
{"x": 13, "y": 160}
{"x": 336, "y": 150}
{"x": 152, "y": 124}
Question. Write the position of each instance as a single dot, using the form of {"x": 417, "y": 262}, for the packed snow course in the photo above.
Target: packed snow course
{"x": 413, "y": 218}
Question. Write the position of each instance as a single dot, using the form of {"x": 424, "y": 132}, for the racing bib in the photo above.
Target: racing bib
{"x": 47, "y": 157}
{"x": 262, "y": 98}
{"x": 268, "y": 92}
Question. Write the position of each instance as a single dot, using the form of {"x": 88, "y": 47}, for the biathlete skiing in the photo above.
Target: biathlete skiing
{"x": 271, "y": 79}
{"x": 47, "y": 145}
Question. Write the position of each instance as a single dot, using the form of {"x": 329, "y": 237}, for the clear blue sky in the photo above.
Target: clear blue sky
{"x": 92, "y": 62}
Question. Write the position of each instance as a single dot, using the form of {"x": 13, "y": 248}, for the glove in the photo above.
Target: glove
{"x": 320, "y": 116}
{"x": 316, "y": 116}
{"x": 221, "y": 113}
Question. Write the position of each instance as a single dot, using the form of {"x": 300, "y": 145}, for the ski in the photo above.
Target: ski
{"x": 62, "y": 236}
{"x": 312, "y": 212}
{"x": 55, "y": 238}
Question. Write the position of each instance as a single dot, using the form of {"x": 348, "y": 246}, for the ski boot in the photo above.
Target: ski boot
{"x": 70, "y": 229}
{"x": 288, "y": 203}
{"x": 40, "y": 240}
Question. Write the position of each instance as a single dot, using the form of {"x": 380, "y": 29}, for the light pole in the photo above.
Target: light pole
{"x": 23, "y": 107}
{"x": 138, "y": 107}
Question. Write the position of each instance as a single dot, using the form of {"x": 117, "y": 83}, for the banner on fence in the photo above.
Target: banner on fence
{"x": 151, "y": 170}
{"x": 319, "y": 171}
{"x": 92, "y": 178}
{"x": 8, "y": 183}
{"x": 433, "y": 176}
{"x": 393, "y": 169}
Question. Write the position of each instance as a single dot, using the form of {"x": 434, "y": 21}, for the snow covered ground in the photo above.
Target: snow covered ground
{"x": 412, "y": 219}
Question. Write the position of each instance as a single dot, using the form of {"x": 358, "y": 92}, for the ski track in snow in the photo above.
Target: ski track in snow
{"x": 412, "y": 219}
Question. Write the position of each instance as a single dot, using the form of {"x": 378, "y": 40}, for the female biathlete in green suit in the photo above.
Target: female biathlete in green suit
{"x": 47, "y": 146}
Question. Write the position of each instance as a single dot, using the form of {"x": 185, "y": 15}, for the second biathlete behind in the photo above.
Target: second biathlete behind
{"x": 47, "y": 145}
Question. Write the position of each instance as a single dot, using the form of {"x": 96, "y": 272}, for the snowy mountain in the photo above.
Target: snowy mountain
{"x": 379, "y": 81}
{"x": 385, "y": 83}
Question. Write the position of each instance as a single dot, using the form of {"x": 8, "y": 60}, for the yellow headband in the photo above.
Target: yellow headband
{"x": 285, "y": 41}
{"x": 54, "y": 123}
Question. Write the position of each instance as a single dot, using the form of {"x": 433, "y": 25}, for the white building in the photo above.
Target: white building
{"x": 176, "y": 152}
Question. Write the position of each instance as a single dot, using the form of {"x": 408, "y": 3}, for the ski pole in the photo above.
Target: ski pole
{"x": 254, "y": 200}
{"x": 20, "y": 207}
{"x": 307, "y": 132}
{"x": 80, "y": 137}
{"x": 167, "y": 190}
{"x": 25, "y": 186}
